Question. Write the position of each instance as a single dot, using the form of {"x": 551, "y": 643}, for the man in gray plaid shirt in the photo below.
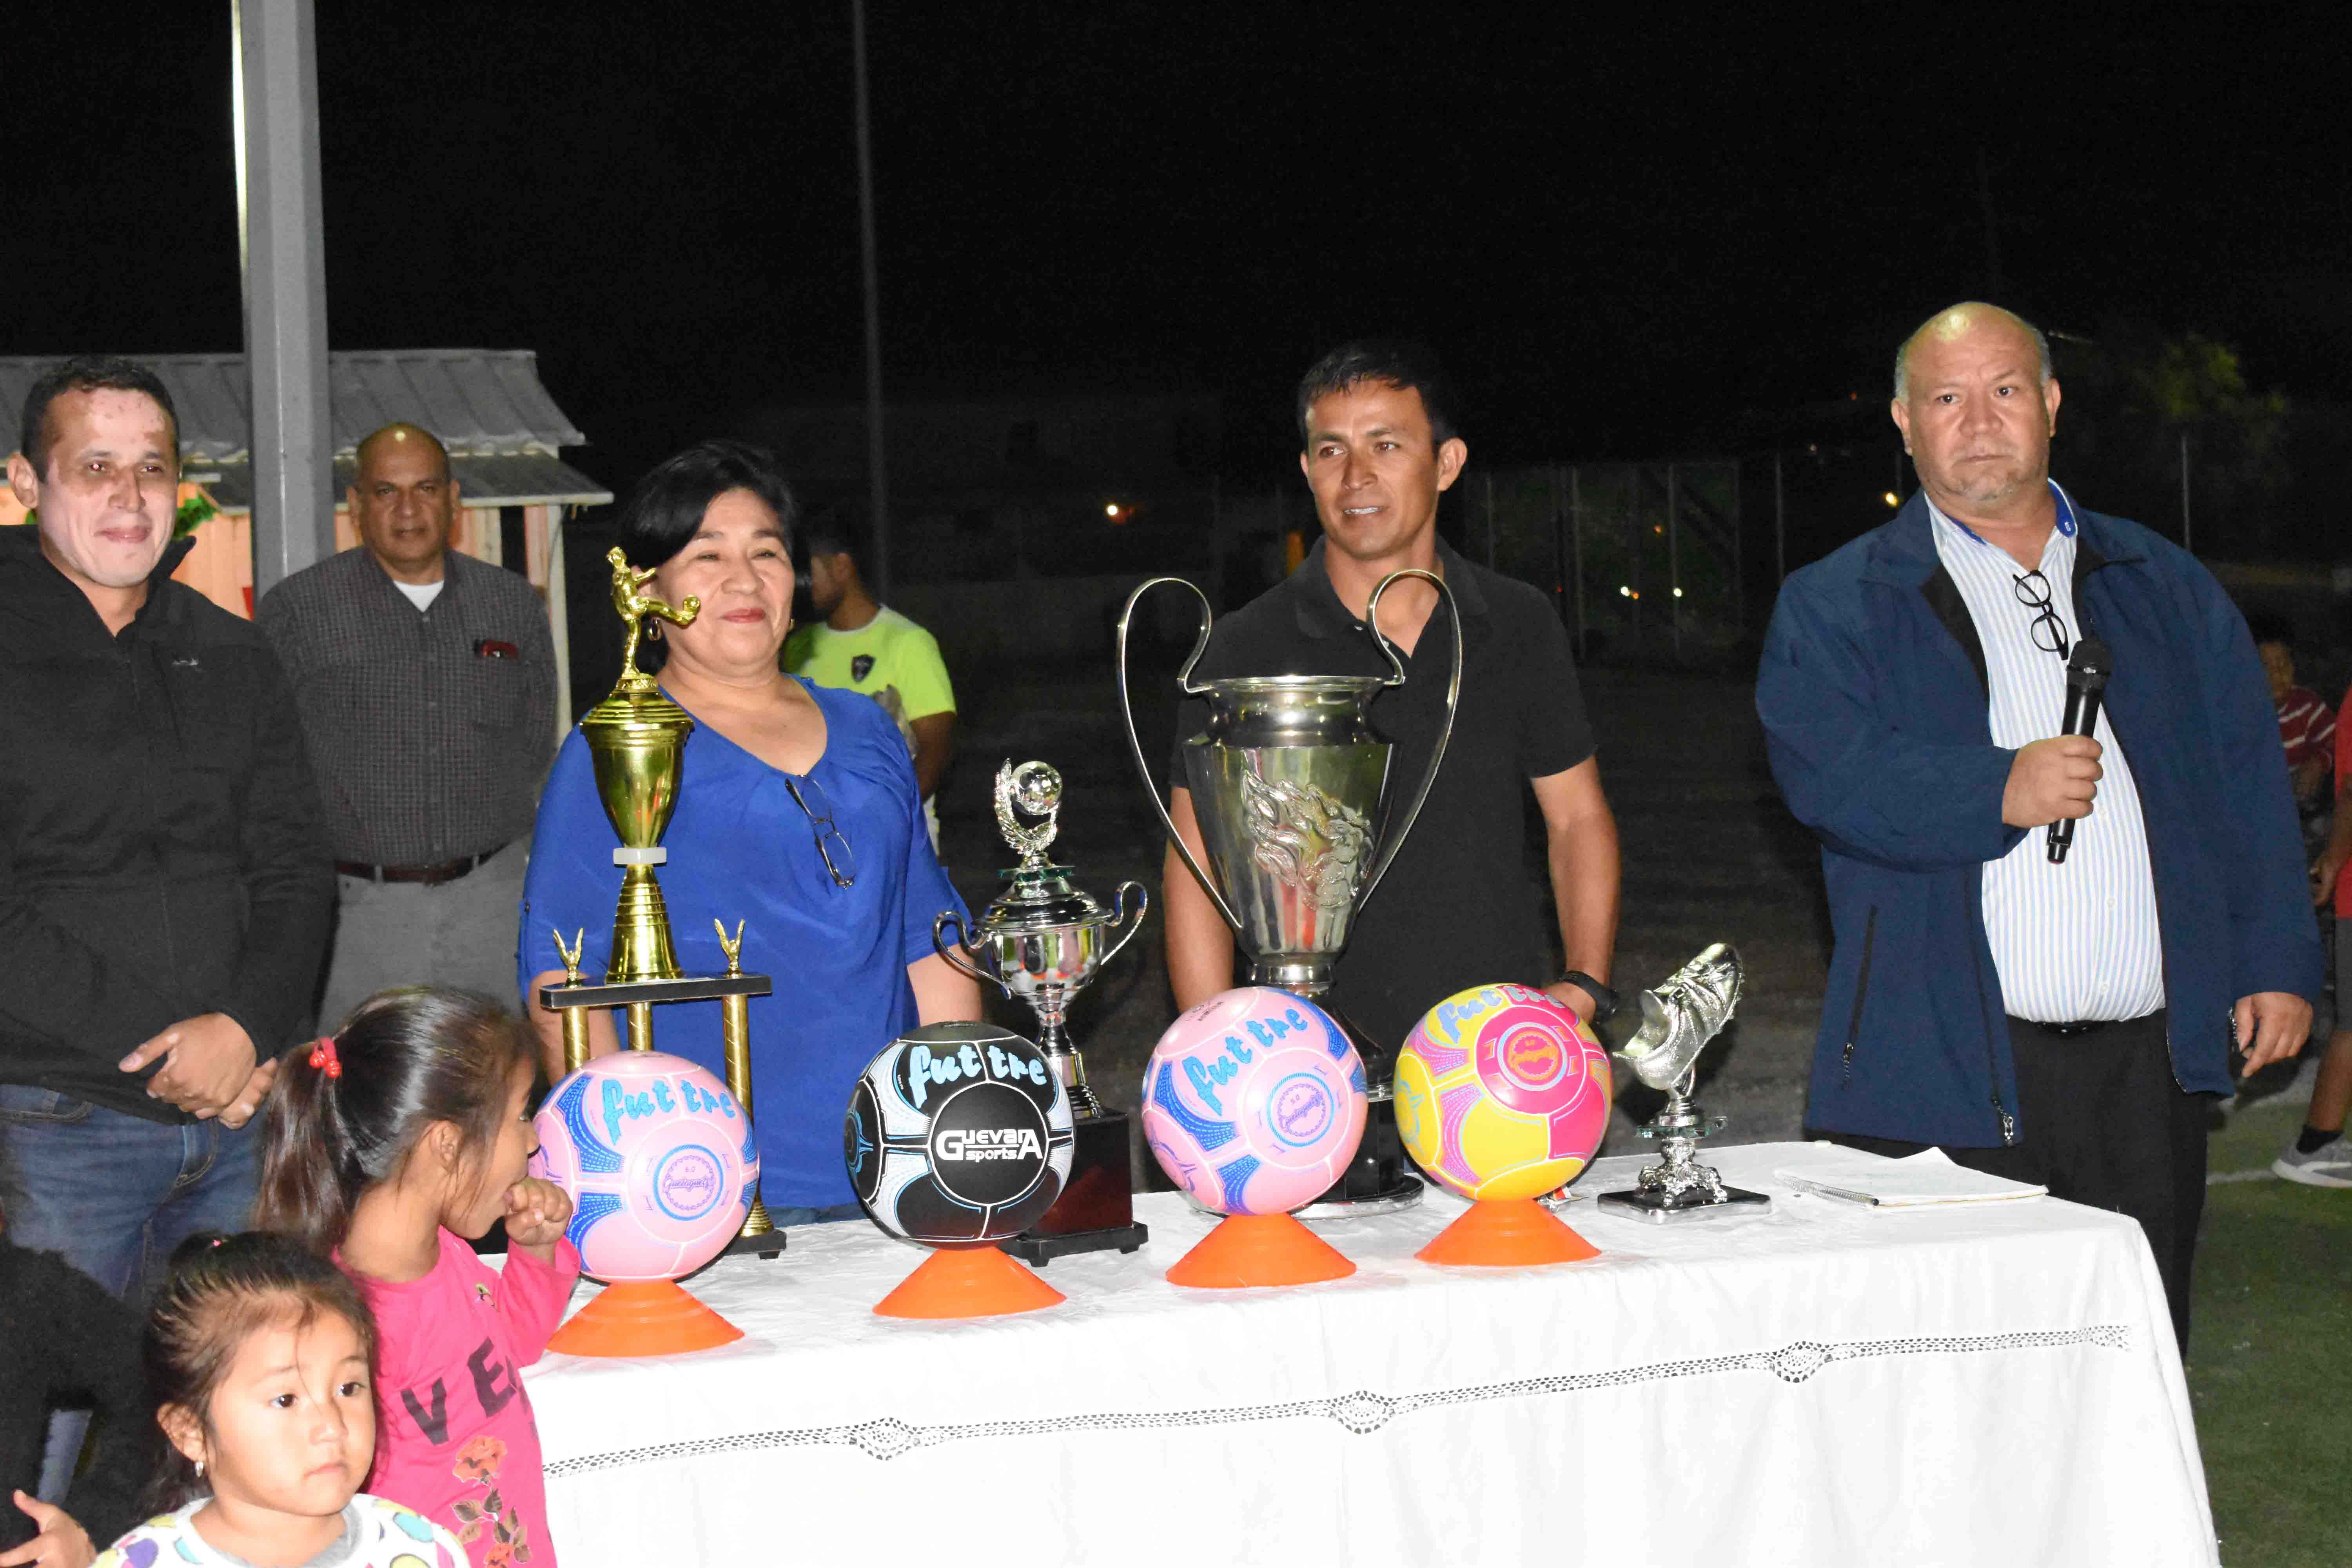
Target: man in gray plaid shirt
{"x": 427, "y": 684}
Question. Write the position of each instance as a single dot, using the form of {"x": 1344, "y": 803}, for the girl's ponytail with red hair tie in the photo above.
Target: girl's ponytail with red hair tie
{"x": 323, "y": 1057}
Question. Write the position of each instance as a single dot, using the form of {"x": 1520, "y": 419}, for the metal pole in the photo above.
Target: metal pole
{"x": 2184, "y": 532}
{"x": 1216, "y": 546}
{"x": 877, "y": 480}
{"x": 1558, "y": 547}
{"x": 1576, "y": 549}
{"x": 275, "y": 98}
{"x": 1674, "y": 557}
{"x": 1490, "y": 519}
{"x": 1780, "y": 524}
{"x": 1738, "y": 557}
{"x": 559, "y": 589}
{"x": 1633, "y": 543}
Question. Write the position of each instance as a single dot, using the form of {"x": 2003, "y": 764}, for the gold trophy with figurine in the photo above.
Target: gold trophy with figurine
{"x": 636, "y": 740}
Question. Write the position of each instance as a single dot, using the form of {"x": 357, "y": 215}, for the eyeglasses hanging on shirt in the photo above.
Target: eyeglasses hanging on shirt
{"x": 828, "y": 835}
{"x": 2049, "y": 631}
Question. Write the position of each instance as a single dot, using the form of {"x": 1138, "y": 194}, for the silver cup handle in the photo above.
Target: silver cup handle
{"x": 1395, "y": 841}
{"x": 953, "y": 952}
{"x": 1134, "y": 918}
{"x": 1184, "y": 681}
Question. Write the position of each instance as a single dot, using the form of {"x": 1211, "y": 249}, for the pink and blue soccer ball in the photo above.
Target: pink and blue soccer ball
{"x": 1253, "y": 1101}
{"x": 660, "y": 1160}
{"x": 1502, "y": 1093}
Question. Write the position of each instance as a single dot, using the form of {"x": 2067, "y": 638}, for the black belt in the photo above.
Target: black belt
{"x": 2086, "y": 1026}
{"x": 430, "y": 876}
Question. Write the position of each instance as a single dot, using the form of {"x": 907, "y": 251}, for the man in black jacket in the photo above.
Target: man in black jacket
{"x": 165, "y": 878}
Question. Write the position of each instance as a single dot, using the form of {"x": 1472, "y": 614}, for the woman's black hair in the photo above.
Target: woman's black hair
{"x": 665, "y": 511}
{"x": 404, "y": 1060}
{"x": 220, "y": 1289}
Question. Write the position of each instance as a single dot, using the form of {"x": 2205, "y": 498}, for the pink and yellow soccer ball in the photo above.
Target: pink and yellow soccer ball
{"x": 1253, "y": 1101}
{"x": 1502, "y": 1093}
{"x": 660, "y": 1160}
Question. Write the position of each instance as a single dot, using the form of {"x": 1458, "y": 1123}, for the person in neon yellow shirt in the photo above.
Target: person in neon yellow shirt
{"x": 855, "y": 644}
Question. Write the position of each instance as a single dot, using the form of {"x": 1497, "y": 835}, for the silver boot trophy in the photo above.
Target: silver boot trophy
{"x": 1287, "y": 782}
{"x": 1678, "y": 1019}
{"x": 1043, "y": 940}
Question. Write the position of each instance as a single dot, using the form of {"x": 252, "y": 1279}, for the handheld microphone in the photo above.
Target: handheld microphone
{"x": 2087, "y": 684}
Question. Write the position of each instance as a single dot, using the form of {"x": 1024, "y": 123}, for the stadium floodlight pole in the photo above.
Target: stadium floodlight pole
{"x": 282, "y": 253}
{"x": 877, "y": 473}
{"x": 2187, "y": 534}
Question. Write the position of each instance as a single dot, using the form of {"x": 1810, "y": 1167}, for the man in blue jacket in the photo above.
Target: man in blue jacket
{"x": 2061, "y": 1022}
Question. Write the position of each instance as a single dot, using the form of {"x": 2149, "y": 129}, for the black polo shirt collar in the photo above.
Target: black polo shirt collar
{"x": 1321, "y": 613}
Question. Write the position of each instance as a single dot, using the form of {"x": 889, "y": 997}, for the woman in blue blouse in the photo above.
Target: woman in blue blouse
{"x": 797, "y": 815}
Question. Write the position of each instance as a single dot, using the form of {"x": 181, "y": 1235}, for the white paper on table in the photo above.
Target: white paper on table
{"x": 1917, "y": 1180}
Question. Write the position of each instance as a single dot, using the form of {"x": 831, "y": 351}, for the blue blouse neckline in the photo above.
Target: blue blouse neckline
{"x": 705, "y": 727}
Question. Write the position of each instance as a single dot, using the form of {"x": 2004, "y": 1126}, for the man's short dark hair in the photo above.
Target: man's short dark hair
{"x": 1392, "y": 362}
{"x": 2268, "y": 626}
{"x": 832, "y": 533}
{"x": 666, "y": 508}
{"x": 86, "y": 373}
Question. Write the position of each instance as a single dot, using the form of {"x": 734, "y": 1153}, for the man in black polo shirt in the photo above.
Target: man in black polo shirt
{"x": 1458, "y": 908}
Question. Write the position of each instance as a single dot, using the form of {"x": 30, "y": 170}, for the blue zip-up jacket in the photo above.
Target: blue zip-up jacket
{"x": 1876, "y": 712}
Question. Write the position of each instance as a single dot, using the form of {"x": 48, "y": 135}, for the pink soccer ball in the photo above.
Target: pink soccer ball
{"x": 658, "y": 1158}
{"x": 1253, "y": 1101}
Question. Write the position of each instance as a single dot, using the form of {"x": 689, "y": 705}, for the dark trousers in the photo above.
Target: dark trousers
{"x": 2102, "y": 1123}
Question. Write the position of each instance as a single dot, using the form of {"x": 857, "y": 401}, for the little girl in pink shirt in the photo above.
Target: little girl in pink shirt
{"x": 390, "y": 1144}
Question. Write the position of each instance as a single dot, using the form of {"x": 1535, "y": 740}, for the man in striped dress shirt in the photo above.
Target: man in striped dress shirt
{"x": 2064, "y": 1023}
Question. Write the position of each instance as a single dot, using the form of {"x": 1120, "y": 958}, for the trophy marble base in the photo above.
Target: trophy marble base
{"x": 1095, "y": 1213}
{"x": 1380, "y": 1181}
{"x": 1037, "y": 1249}
{"x": 767, "y": 1244}
{"x": 1660, "y": 1208}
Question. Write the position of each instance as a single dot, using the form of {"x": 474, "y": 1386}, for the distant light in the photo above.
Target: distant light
{"x": 1657, "y": 528}
{"x": 1111, "y": 511}
{"x": 1623, "y": 591}
{"x": 1678, "y": 593}
{"x": 1891, "y": 499}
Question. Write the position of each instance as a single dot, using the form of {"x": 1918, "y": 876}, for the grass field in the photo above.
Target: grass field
{"x": 2270, "y": 1363}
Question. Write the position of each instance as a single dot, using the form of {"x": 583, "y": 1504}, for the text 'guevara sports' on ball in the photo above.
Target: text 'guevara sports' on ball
{"x": 958, "y": 1135}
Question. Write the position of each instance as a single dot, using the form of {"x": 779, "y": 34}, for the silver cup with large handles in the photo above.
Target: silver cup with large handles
{"x": 1287, "y": 782}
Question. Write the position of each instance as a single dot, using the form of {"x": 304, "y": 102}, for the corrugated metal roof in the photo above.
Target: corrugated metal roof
{"x": 481, "y": 403}
{"x": 527, "y": 479}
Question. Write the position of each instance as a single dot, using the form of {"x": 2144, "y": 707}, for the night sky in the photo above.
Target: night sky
{"x": 1621, "y": 235}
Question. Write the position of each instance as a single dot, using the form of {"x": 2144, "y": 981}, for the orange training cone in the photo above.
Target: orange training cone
{"x": 1507, "y": 1233}
{"x": 968, "y": 1282}
{"x": 643, "y": 1317}
{"x": 1248, "y": 1249}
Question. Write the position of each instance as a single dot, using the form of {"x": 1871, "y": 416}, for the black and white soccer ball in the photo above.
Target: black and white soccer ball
{"x": 958, "y": 1135}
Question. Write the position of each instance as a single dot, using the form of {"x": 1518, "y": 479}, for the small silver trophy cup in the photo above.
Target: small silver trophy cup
{"x": 1044, "y": 941}
{"x": 1287, "y": 783}
{"x": 1678, "y": 1019}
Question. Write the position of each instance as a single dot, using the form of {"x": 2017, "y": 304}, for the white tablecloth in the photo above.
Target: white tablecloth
{"x": 1826, "y": 1383}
